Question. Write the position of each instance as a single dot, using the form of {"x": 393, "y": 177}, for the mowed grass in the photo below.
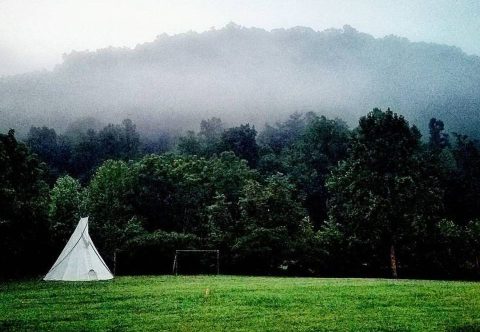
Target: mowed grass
{"x": 226, "y": 303}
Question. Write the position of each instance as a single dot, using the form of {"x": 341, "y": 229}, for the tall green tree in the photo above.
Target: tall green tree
{"x": 51, "y": 148}
{"x": 197, "y": 181}
{"x": 275, "y": 138}
{"x": 86, "y": 155}
{"x": 23, "y": 209}
{"x": 307, "y": 154}
{"x": 463, "y": 183}
{"x": 382, "y": 195}
{"x": 272, "y": 222}
{"x": 210, "y": 135}
{"x": 438, "y": 138}
{"x": 204, "y": 144}
{"x": 119, "y": 141}
{"x": 241, "y": 141}
{"x": 65, "y": 209}
{"x": 190, "y": 144}
{"x": 153, "y": 191}
{"x": 43, "y": 142}
{"x": 108, "y": 202}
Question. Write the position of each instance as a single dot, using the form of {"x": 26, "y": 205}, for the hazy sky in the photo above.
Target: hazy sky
{"x": 35, "y": 34}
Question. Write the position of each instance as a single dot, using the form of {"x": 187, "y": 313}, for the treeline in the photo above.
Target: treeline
{"x": 82, "y": 148}
{"x": 307, "y": 196}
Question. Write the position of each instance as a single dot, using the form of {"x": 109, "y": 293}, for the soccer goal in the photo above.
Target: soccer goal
{"x": 195, "y": 260}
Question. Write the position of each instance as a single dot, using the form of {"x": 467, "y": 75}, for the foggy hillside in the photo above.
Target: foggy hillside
{"x": 249, "y": 75}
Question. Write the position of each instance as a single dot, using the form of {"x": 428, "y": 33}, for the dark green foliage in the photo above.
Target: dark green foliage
{"x": 65, "y": 209}
{"x": 310, "y": 198}
{"x": 173, "y": 192}
{"x": 311, "y": 146}
{"x": 438, "y": 139}
{"x": 241, "y": 140}
{"x": 82, "y": 149}
{"x": 152, "y": 192}
{"x": 272, "y": 222}
{"x": 206, "y": 143}
{"x": 161, "y": 144}
{"x": 152, "y": 253}
{"x": 23, "y": 209}
{"x": 85, "y": 155}
{"x": 271, "y": 205}
{"x": 221, "y": 223}
{"x": 210, "y": 134}
{"x": 216, "y": 200}
{"x": 458, "y": 249}
{"x": 108, "y": 201}
{"x": 284, "y": 134}
{"x": 119, "y": 142}
{"x": 383, "y": 196}
{"x": 463, "y": 182}
{"x": 43, "y": 141}
{"x": 190, "y": 144}
{"x": 51, "y": 148}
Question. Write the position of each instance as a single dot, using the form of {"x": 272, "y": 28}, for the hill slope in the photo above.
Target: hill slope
{"x": 250, "y": 75}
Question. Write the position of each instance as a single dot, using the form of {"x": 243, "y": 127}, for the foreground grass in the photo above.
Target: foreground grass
{"x": 207, "y": 303}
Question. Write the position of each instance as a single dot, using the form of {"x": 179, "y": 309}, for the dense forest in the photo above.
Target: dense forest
{"x": 248, "y": 75}
{"x": 306, "y": 196}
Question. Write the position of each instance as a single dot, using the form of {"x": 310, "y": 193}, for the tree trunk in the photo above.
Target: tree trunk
{"x": 393, "y": 262}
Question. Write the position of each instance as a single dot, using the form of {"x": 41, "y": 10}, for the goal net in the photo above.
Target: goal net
{"x": 196, "y": 262}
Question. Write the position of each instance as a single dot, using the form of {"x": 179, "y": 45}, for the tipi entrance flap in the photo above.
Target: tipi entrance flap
{"x": 79, "y": 258}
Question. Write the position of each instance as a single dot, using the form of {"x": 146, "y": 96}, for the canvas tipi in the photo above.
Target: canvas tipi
{"x": 79, "y": 260}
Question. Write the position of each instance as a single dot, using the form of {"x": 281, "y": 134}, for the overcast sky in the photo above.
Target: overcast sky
{"x": 35, "y": 34}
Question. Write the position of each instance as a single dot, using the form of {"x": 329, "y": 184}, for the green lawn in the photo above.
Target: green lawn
{"x": 208, "y": 303}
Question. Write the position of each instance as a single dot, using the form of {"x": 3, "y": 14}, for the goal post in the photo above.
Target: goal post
{"x": 180, "y": 251}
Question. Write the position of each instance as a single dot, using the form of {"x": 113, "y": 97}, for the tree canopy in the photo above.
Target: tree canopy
{"x": 306, "y": 196}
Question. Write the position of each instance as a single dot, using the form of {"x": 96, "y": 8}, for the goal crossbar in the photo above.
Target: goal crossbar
{"x": 175, "y": 259}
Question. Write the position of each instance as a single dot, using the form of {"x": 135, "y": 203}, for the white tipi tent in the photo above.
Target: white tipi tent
{"x": 79, "y": 260}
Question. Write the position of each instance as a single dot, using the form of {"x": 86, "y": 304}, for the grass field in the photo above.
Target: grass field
{"x": 208, "y": 303}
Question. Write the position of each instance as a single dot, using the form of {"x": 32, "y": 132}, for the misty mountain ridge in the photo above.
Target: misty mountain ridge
{"x": 249, "y": 75}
